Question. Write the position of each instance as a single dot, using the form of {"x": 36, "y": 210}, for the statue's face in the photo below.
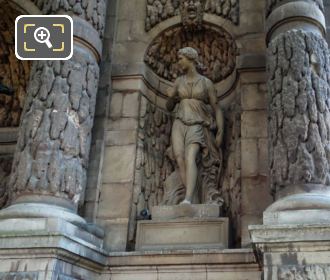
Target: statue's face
{"x": 192, "y": 13}
{"x": 184, "y": 63}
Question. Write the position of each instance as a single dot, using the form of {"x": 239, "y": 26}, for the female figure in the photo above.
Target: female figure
{"x": 191, "y": 130}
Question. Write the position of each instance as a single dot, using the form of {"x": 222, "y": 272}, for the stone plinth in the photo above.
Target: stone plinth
{"x": 48, "y": 248}
{"x": 293, "y": 251}
{"x": 185, "y": 211}
{"x": 183, "y": 227}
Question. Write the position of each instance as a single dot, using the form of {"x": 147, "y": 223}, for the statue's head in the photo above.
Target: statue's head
{"x": 192, "y": 13}
{"x": 188, "y": 57}
{"x": 189, "y": 53}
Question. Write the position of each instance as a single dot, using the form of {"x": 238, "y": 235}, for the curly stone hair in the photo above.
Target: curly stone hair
{"x": 192, "y": 54}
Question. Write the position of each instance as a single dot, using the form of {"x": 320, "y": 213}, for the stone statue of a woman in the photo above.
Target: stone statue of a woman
{"x": 196, "y": 113}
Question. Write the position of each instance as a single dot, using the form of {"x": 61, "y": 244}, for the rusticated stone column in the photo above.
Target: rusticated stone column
{"x": 299, "y": 112}
{"x": 48, "y": 176}
{"x": 294, "y": 240}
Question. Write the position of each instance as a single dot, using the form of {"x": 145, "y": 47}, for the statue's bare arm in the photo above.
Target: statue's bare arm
{"x": 218, "y": 112}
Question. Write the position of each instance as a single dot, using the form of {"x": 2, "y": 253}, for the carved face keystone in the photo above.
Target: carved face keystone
{"x": 192, "y": 13}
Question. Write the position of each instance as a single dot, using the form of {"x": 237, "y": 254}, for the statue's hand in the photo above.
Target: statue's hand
{"x": 171, "y": 102}
{"x": 218, "y": 138}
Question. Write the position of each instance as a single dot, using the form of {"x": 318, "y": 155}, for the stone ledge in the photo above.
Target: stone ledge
{"x": 189, "y": 257}
{"x": 290, "y": 233}
{"x": 49, "y": 234}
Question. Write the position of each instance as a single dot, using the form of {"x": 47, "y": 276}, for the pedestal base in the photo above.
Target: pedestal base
{"x": 293, "y": 251}
{"x": 48, "y": 248}
{"x": 183, "y": 227}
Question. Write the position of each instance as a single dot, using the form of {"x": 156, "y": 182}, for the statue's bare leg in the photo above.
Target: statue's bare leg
{"x": 191, "y": 170}
{"x": 178, "y": 151}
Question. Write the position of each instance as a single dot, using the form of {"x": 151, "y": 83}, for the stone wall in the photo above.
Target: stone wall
{"x": 247, "y": 178}
{"x": 254, "y": 158}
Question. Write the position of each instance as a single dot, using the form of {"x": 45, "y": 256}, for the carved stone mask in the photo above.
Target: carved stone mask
{"x": 192, "y": 13}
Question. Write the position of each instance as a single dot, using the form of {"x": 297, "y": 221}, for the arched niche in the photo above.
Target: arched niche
{"x": 14, "y": 73}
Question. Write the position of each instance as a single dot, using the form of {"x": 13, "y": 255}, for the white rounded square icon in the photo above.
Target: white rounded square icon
{"x": 46, "y": 37}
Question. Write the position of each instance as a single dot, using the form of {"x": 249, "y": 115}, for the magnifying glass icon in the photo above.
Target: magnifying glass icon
{"x": 41, "y": 35}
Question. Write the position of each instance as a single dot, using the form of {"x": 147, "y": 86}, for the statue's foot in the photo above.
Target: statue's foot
{"x": 185, "y": 201}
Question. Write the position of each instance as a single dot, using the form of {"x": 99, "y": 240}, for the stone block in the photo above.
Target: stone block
{"x": 115, "y": 201}
{"x": 254, "y": 124}
{"x": 131, "y": 105}
{"x": 250, "y": 61}
{"x": 116, "y": 105}
{"x": 121, "y": 137}
{"x": 186, "y": 273}
{"x": 263, "y": 156}
{"x": 161, "y": 213}
{"x": 246, "y": 221}
{"x": 249, "y": 160}
{"x": 118, "y": 166}
{"x": 123, "y": 124}
{"x": 252, "y": 21}
{"x": 185, "y": 233}
{"x": 293, "y": 251}
{"x": 255, "y": 197}
{"x": 235, "y": 274}
{"x": 253, "y": 77}
{"x": 150, "y": 273}
{"x": 252, "y": 44}
{"x": 115, "y": 234}
{"x": 252, "y": 98}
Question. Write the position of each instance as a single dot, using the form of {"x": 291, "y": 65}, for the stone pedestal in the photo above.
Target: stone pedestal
{"x": 183, "y": 227}
{"x": 48, "y": 248}
{"x": 293, "y": 251}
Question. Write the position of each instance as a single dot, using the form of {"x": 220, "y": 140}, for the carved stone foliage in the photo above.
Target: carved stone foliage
{"x": 5, "y": 167}
{"x": 160, "y": 10}
{"x": 217, "y": 52}
{"x": 54, "y": 140}
{"x": 307, "y": 272}
{"x": 92, "y": 11}
{"x": 13, "y": 72}
{"x": 299, "y": 123}
{"x": 231, "y": 179}
{"x": 271, "y": 4}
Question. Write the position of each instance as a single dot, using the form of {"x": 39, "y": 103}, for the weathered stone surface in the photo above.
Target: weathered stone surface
{"x": 298, "y": 87}
{"x": 157, "y": 11}
{"x": 114, "y": 201}
{"x": 5, "y": 168}
{"x": 119, "y": 164}
{"x": 272, "y": 4}
{"x": 116, "y": 105}
{"x": 231, "y": 178}
{"x": 121, "y": 137}
{"x": 116, "y": 234}
{"x": 92, "y": 11}
{"x": 184, "y": 233}
{"x": 159, "y": 213}
{"x": 293, "y": 251}
{"x": 216, "y": 47}
{"x": 49, "y": 252}
{"x": 131, "y": 105}
{"x": 254, "y": 124}
{"x": 53, "y": 144}
{"x": 253, "y": 97}
{"x": 250, "y": 163}
{"x": 305, "y": 272}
